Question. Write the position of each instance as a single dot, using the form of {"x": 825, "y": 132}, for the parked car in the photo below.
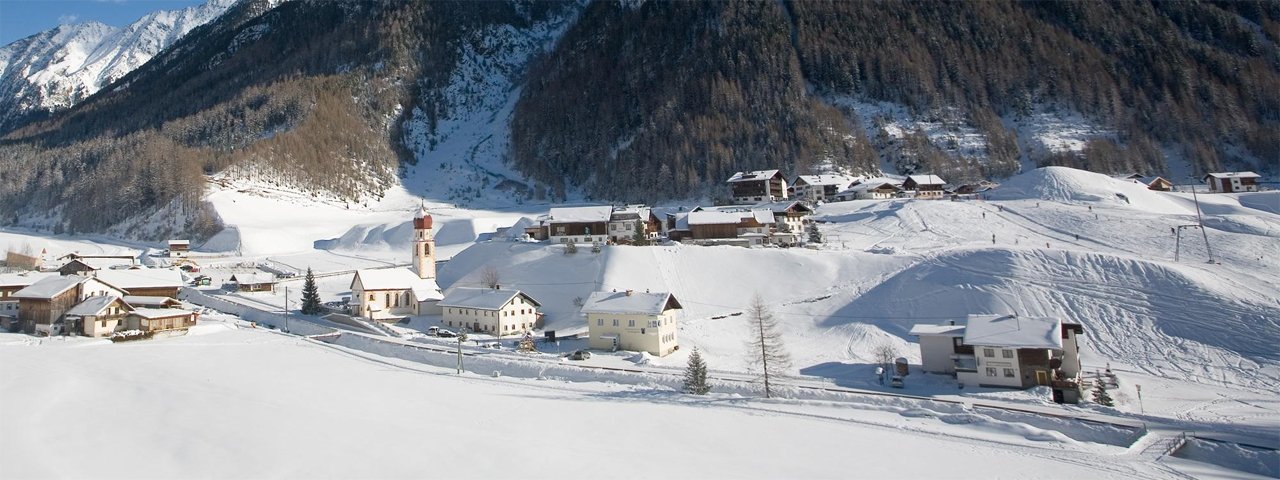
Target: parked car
{"x": 442, "y": 333}
{"x": 896, "y": 381}
{"x": 433, "y": 331}
{"x": 579, "y": 355}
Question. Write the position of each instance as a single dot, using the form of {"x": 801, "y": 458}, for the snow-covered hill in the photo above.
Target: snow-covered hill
{"x": 59, "y": 67}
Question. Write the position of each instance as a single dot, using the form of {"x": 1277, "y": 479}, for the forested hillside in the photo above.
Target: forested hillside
{"x": 649, "y": 100}
{"x": 672, "y": 95}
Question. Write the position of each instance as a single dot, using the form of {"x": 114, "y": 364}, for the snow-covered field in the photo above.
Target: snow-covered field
{"x": 1198, "y": 337}
{"x": 234, "y": 403}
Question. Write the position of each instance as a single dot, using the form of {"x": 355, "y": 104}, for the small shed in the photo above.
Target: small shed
{"x": 254, "y": 282}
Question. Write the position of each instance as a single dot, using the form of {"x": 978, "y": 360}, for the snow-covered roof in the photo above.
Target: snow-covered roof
{"x": 717, "y": 218}
{"x": 754, "y": 176}
{"x": 23, "y": 279}
{"x": 644, "y": 303}
{"x": 141, "y": 278}
{"x": 149, "y": 301}
{"x": 152, "y": 313}
{"x": 179, "y": 243}
{"x": 762, "y": 216}
{"x": 101, "y": 263}
{"x": 630, "y": 212}
{"x": 865, "y": 186}
{"x": 947, "y": 330}
{"x": 824, "y": 179}
{"x": 1233, "y": 175}
{"x": 93, "y": 305}
{"x": 482, "y": 298}
{"x": 1149, "y": 180}
{"x": 592, "y": 214}
{"x": 783, "y": 206}
{"x": 49, "y": 287}
{"x": 398, "y": 279}
{"x": 1013, "y": 331}
{"x": 682, "y": 221}
{"x": 255, "y": 278}
{"x": 927, "y": 179}
{"x": 662, "y": 212}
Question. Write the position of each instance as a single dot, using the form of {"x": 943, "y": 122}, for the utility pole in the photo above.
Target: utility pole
{"x": 286, "y": 309}
{"x": 1200, "y": 221}
{"x": 1140, "y": 409}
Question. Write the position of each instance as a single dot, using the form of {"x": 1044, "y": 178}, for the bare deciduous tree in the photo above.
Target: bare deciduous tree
{"x": 884, "y": 353}
{"x": 490, "y": 276}
{"x": 765, "y": 347}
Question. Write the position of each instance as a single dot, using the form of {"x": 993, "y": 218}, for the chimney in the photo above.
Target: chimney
{"x": 497, "y": 287}
{"x": 953, "y": 323}
{"x": 629, "y": 292}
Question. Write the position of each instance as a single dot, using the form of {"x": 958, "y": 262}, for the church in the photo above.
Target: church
{"x": 390, "y": 294}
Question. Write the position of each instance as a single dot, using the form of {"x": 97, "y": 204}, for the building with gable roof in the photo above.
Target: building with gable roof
{"x": 390, "y": 294}
{"x": 1230, "y": 182}
{"x": 490, "y": 310}
{"x": 758, "y": 186}
{"x": 925, "y": 186}
{"x": 634, "y": 321}
{"x": 1009, "y": 351}
{"x": 818, "y": 188}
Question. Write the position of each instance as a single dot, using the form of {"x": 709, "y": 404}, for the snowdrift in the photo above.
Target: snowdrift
{"x": 1068, "y": 185}
{"x": 1170, "y": 319}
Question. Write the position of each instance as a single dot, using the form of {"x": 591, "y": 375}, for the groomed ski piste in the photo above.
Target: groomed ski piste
{"x": 229, "y": 400}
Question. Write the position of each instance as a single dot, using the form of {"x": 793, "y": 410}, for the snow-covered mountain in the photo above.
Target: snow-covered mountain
{"x": 59, "y": 67}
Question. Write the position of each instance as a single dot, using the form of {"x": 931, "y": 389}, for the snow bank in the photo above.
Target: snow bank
{"x": 1068, "y": 185}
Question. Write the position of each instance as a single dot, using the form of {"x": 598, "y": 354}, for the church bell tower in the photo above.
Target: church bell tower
{"x": 424, "y": 245}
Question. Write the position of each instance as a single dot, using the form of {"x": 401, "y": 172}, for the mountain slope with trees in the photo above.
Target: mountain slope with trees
{"x": 644, "y": 101}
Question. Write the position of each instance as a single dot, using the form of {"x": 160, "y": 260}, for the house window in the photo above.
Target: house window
{"x": 615, "y": 322}
{"x": 631, "y": 323}
{"x": 1007, "y": 353}
{"x": 1008, "y": 373}
{"x": 987, "y": 352}
{"x": 599, "y": 322}
{"x": 991, "y": 371}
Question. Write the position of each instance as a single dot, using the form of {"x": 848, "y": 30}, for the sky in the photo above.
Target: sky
{"x": 23, "y": 18}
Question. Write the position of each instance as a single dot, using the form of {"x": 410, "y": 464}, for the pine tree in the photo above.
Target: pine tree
{"x": 815, "y": 236}
{"x": 639, "y": 237}
{"x": 695, "y": 375}
{"x": 1100, "y": 395}
{"x": 310, "y": 295}
{"x": 765, "y": 347}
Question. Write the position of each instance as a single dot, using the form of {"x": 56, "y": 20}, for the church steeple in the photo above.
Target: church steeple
{"x": 424, "y": 245}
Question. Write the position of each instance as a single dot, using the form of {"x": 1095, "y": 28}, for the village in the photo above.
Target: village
{"x": 158, "y": 293}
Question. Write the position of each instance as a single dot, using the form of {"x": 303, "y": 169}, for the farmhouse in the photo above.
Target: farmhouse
{"x": 97, "y": 316}
{"x": 159, "y": 319}
{"x": 1158, "y": 184}
{"x": 1230, "y": 182}
{"x": 925, "y": 186}
{"x": 634, "y": 321}
{"x": 819, "y": 188}
{"x": 871, "y": 189}
{"x": 758, "y": 186}
{"x": 11, "y": 283}
{"x": 179, "y": 248}
{"x": 42, "y": 304}
{"x": 254, "y": 282}
{"x": 624, "y": 221}
{"x": 579, "y": 224}
{"x": 88, "y": 265}
{"x": 490, "y": 310}
{"x": 157, "y": 282}
{"x": 393, "y": 293}
{"x": 1008, "y": 351}
{"x": 788, "y": 216}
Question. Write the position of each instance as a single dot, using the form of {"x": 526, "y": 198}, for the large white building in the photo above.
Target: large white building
{"x": 1009, "y": 351}
{"x": 819, "y": 188}
{"x": 390, "y": 294}
{"x": 635, "y": 321}
{"x": 490, "y": 310}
